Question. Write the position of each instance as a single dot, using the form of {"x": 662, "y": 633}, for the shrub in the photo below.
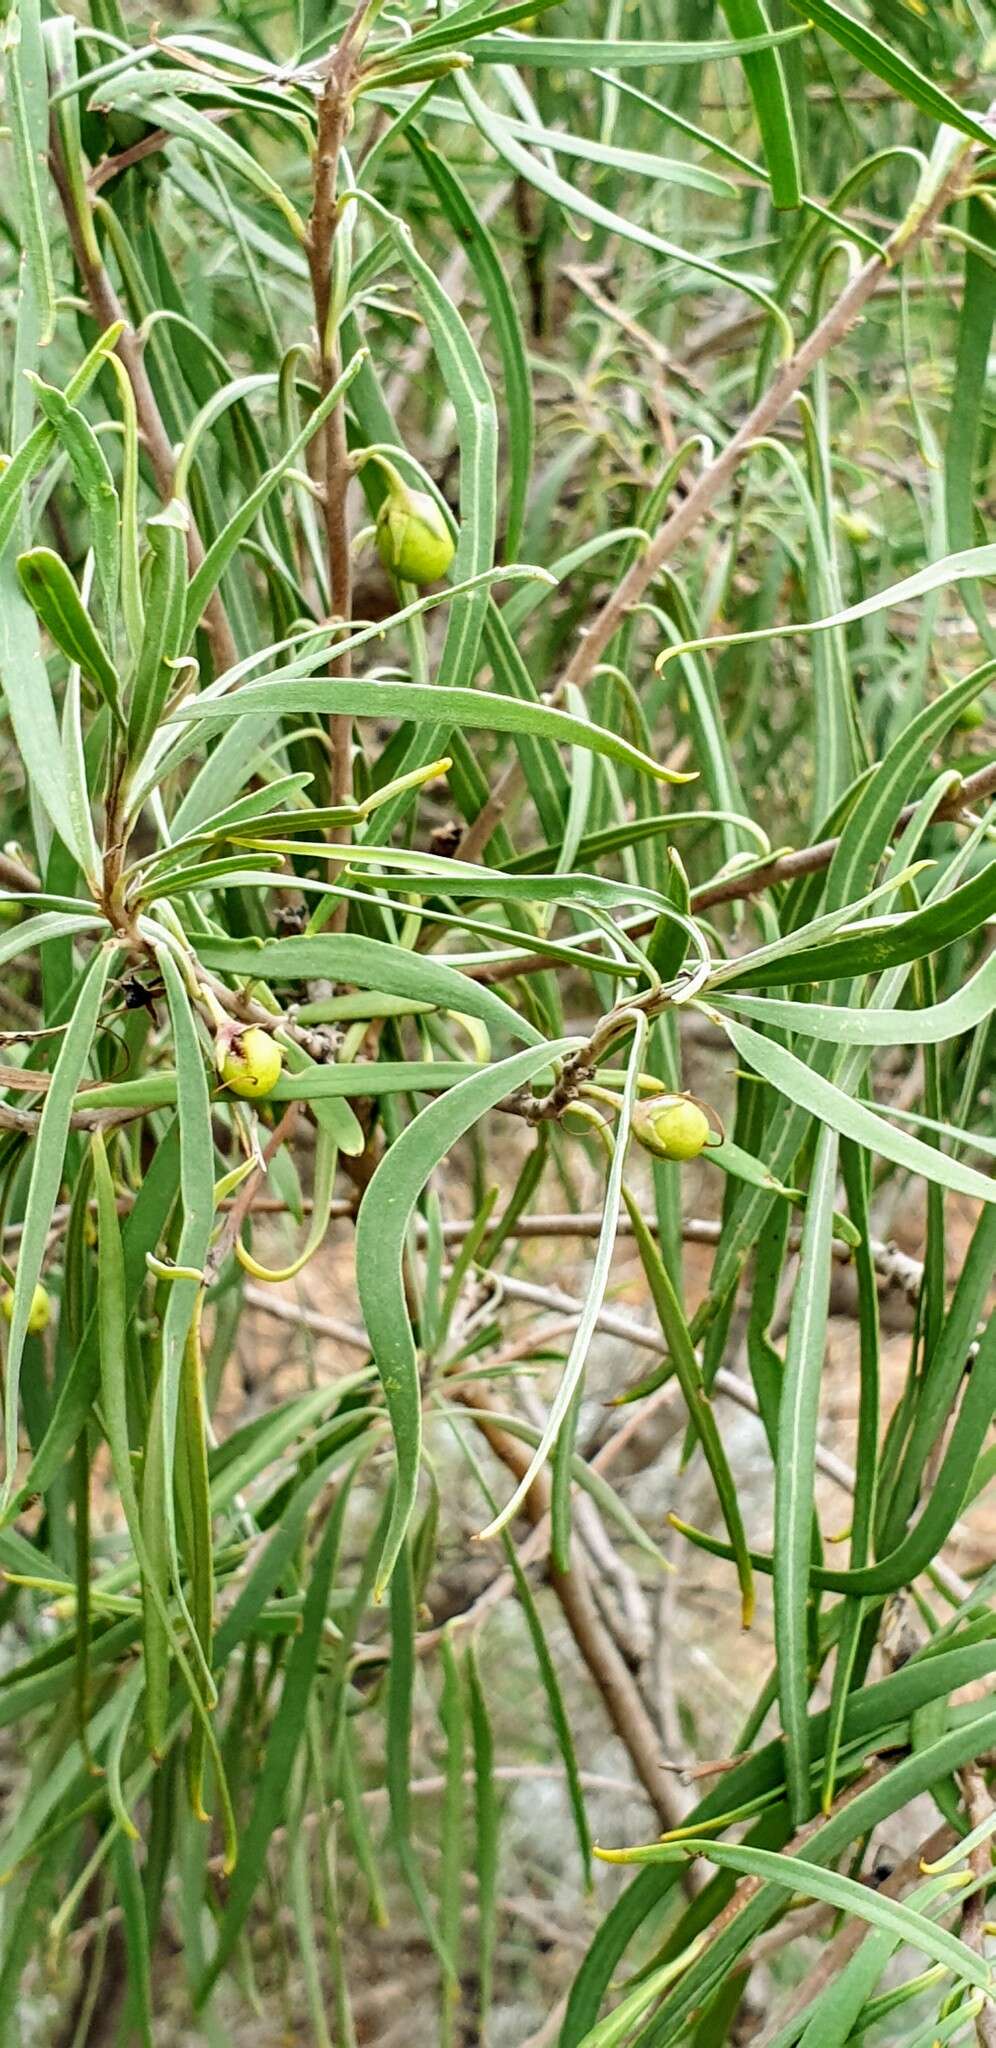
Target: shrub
{"x": 493, "y": 601}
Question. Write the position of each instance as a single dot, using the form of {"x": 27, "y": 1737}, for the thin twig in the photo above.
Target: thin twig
{"x": 615, "y": 1325}
{"x": 675, "y": 529}
{"x": 334, "y": 117}
{"x": 14, "y": 875}
{"x": 785, "y": 867}
{"x": 615, "y": 1682}
{"x": 828, "y": 1966}
{"x": 245, "y": 1201}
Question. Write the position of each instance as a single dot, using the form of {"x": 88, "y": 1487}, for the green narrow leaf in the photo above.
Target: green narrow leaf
{"x": 968, "y": 394}
{"x": 506, "y": 326}
{"x": 487, "y": 1820}
{"x": 397, "y": 1761}
{"x": 766, "y": 79}
{"x": 567, "y": 54}
{"x": 968, "y": 563}
{"x": 197, "y": 1199}
{"x": 95, "y": 484}
{"x": 968, "y": 1007}
{"x": 795, "y": 1468}
{"x": 681, "y": 1353}
{"x": 163, "y": 629}
{"x": 874, "y": 1707}
{"x": 132, "y": 1901}
{"x": 452, "y": 1715}
{"x": 32, "y": 452}
{"x": 273, "y": 1777}
{"x": 53, "y": 596}
{"x": 28, "y": 697}
{"x": 496, "y": 131}
{"x": 886, "y": 62}
{"x": 179, "y": 118}
{"x": 206, "y": 578}
{"x": 381, "y": 1231}
{"x": 141, "y": 1233}
{"x": 193, "y": 1465}
{"x": 853, "y": 1119}
{"x": 367, "y": 963}
{"x": 49, "y": 1148}
{"x": 28, "y": 152}
{"x": 554, "y": 1430}
{"x": 422, "y": 703}
{"x": 875, "y": 945}
{"x": 795, "y": 1873}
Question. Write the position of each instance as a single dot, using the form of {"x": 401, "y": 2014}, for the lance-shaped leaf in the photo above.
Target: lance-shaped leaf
{"x": 381, "y": 1231}
{"x": 567, "y": 53}
{"x": 274, "y": 1772}
{"x": 33, "y": 450}
{"x": 769, "y": 92}
{"x": 795, "y": 1874}
{"x": 963, "y": 1011}
{"x": 162, "y": 638}
{"x": 367, "y": 963}
{"x": 558, "y": 1421}
{"x": 688, "y": 1372}
{"x": 48, "y": 1156}
{"x": 208, "y": 574}
{"x": 969, "y": 563}
{"x": 853, "y": 1119}
{"x": 92, "y": 474}
{"x": 18, "y": 59}
{"x": 423, "y": 703}
{"x": 52, "y": 594}
{"x": 795, "y": 1469}
{"x": 888, "y": 63}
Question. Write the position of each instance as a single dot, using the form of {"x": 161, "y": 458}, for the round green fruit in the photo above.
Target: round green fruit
{"x": 672, "y": 1127}
{"x": 252, "y": 1062}
{"x": 413, "y": 539}
{"x": 39, "y": 1314}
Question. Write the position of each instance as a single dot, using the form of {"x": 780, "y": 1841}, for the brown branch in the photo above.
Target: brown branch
{"x": 894, "y": 1267}
{"x": 334, "y": 118}
{"x": 829, "y": 331}
{"x": 615, "y": 1682}
{"x": 830, "y": 1963}
{"x": 785, "y": 867}
{"x": 151, "y": 144}
{"x": 14, "y": 875}
{"x": 245, "y": 1200}
{"x": 809, "y": 860}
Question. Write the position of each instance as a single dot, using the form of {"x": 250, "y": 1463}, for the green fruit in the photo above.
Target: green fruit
{"x": 251, "y": 1062}
{"x": 413, "y": 539}
{"x": 672, "y": 1127}
{"x": 854, "y": 527}
{"x": 39, "y": 1314}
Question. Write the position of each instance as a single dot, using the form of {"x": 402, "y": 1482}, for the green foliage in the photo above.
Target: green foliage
{"x": 494, "y": 594}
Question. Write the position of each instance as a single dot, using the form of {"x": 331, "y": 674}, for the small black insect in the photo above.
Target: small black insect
{"x": 140, "y": 995}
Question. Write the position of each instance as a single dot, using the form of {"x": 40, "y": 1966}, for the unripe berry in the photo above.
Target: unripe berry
{"x": 972, "y": 715}
{"x": 39, "y": 1314}
{"x": 855, "y": 527}
{"x": 672, "y": 1127}
{"x": 413, "y": 539}
{"x": 249, "y": 1061}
